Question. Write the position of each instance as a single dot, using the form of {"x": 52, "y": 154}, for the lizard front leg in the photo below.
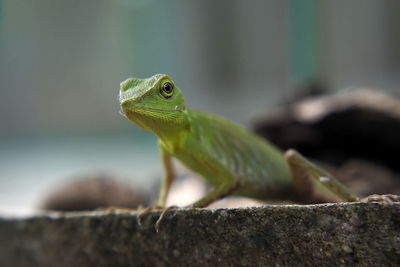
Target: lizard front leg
{"x": 218, "y": 192}
{"x": 169, "y": 177}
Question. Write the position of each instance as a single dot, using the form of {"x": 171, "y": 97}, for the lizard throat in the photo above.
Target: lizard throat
{"x": 162, "y": 122}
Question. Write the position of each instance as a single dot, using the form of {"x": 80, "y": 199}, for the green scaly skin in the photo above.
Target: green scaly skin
{"x": 228, "y": 156}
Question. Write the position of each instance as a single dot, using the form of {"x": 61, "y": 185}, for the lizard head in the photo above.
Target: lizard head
{"x": 155, "y": 104}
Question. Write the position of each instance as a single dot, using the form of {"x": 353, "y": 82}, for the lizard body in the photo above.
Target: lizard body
{"x": 228, "y": 156}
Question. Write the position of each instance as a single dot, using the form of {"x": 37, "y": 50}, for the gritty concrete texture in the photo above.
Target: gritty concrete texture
{"x": 356, "y": 234}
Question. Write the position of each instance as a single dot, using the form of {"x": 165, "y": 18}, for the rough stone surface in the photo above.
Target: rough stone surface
{"x": 357, "y": 234}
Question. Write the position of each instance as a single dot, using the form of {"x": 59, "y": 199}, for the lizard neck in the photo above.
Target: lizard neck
{"x": 170, "y": 129}
{"x": 172, "y": 133}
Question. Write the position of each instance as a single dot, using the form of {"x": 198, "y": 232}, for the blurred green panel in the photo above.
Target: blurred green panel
{"x": 149, "y": 32}
{"x": 303, "y": 40}
{"x": 1, "y": 13}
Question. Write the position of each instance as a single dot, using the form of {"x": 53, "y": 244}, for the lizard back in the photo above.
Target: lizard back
{"x": 254, "y": 161}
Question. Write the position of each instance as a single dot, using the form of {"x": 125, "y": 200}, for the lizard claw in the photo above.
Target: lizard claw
{"x": 385, "y": 199}
{"x": 144, "y": 211}
{"x": 162, "y": 215}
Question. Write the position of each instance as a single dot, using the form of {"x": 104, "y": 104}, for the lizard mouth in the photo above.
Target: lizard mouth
{"x": 139, "y": 108}
{"x": 132, "y": 111}
{"x": 176, "y": 109}
{"x": 122, "y": 113}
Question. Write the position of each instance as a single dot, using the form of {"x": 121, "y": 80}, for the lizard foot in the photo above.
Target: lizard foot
{"x": 162, "y": 215}
{"x": 142, "y": 212}
{"x": 385, "y": 199}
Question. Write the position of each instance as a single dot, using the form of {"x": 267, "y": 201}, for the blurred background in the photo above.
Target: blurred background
{"x": 61, "y": 63}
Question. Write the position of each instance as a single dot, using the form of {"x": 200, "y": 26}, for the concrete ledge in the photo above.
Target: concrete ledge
{"x": 320, "y": 235}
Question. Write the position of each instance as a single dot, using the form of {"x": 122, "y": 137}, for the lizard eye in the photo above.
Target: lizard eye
{"x": 167, "y": 89}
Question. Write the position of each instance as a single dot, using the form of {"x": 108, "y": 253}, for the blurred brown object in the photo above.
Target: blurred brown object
{"x": 356, "y": 131}
{"x": 92, "y": 191}
{"x": 367, "y": 178}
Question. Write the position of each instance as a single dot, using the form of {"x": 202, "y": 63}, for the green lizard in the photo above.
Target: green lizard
{"x": 232, "y": 159}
